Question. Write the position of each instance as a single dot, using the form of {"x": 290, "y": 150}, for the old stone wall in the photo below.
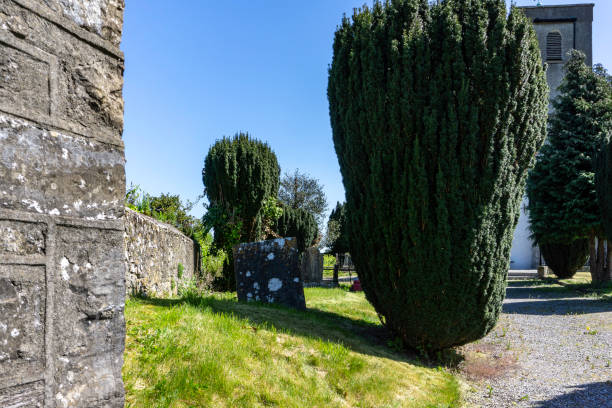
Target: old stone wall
{"x": 62, "y": 183}
{"x": 153, "y": 251}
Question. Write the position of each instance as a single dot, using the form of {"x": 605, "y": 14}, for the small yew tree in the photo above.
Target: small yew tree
{"x": 563, "y": 205}
{"x": 337, "y": 236}
{"x": 239, "y": 175}
{"x": 437, "y": 113}
{"x": 565, "y": 259}
{"x": 297, "y": 223}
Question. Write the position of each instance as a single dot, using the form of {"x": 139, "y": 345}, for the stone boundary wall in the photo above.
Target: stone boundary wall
{"x": 153, "y": 251}
{"x": 62, "y": 185}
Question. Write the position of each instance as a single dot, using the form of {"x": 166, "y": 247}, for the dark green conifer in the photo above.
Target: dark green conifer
{"x": 563, "y": 204}
{"x": 298, "y": 223}
{"x": 239, "y": 174}
{"x": 565, "y": 259}
{"x": 437, "y": 112}
{"x": 337, "y": 234}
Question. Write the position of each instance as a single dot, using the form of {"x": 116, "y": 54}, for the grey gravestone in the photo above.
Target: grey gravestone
{"x": 268, "y": 271}
{"x": 312, "y": 265}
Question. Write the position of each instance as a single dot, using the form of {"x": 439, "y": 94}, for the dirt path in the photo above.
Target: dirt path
{"x": 549, "y": 350}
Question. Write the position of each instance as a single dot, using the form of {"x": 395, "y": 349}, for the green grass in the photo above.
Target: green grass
{"x": 329, "y": 260}
{"x": 580, "y": 284}
{"x": 329, "y": 273}
{"x": 213, "y": 351}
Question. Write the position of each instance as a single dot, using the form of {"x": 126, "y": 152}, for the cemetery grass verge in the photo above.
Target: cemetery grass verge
{"x": 213, "y": 351}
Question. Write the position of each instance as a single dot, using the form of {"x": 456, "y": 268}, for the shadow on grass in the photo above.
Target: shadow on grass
{"x": 355, "y": 334}
{"x": 527, "y": 297}
{"x": 592, "y": 395}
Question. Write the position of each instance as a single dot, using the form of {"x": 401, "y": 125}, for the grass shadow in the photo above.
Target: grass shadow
{"x": 356, "y": 334}
{"x": 547, "y": 297}
{"x": 558, "y": 307}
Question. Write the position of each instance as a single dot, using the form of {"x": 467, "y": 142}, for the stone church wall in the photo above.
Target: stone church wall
{"x": 62, "y": 185}
{"x": 153, "y": 251}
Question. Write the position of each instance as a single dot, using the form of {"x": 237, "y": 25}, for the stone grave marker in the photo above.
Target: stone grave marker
{"x": 268, "y": 271}
{"x": 312, "y": 265}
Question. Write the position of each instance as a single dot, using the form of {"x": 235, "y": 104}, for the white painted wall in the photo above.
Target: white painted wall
{"x": 522, "y": 254}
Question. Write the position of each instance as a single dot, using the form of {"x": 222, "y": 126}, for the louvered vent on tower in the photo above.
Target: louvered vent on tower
{"x": 553, "y": 46}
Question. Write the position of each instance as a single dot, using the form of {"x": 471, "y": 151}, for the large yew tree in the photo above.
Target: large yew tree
{"x": 437, "y": 112}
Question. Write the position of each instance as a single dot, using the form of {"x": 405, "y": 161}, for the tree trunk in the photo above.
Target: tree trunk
{"x": 336, "y": 267}
{"x": 600, "y": 271}
{"x": 608, "y": 274}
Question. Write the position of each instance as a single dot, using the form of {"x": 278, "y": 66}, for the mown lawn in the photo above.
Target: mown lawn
{"x": 213, "y": 351}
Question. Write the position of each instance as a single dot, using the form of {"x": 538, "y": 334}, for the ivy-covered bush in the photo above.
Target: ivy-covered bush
{"x": 437, "y": 112}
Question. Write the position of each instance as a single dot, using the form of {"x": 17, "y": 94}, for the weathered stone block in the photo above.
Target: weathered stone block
{"x": 312, "y": 265}
{"x": 88, "y": 321}
{"x": 22, "y": 238}
{"x": 22, "y": 321}
{"x": 29, "y": 395}
{"x": 62, "y": 186}
{"x": 52, "y": 173}
{"x": 24, "y": 80}
{"x": 268, "y": 271}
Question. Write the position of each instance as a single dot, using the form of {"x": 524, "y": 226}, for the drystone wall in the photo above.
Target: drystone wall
{"x": 62, "y": 183}
{"x": 153, "y": 251}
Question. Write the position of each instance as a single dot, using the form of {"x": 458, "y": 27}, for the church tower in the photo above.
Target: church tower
{"x": 559, "y": 29}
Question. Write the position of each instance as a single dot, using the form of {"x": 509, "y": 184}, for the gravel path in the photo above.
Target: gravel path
{"x": 549, "y": 350}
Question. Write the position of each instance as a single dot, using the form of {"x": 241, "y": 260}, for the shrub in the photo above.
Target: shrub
{"x": 437, "y": 112}
{"x": 180, "y": 269}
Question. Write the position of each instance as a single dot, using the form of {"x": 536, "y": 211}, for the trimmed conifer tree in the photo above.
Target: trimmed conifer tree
{"x": 339, "y": 242}
{"x": 563, "y": 205}
{"x": 565, "y": 259}
{"x": 298, "y": 223}
{"x": 239, "y": 174}
{"x": 437, "y": 113}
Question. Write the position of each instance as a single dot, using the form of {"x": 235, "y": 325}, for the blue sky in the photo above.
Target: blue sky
{"x": 209, "y": 69}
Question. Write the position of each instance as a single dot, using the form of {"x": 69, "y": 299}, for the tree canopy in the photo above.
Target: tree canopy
{"x": 301, "y": 191}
